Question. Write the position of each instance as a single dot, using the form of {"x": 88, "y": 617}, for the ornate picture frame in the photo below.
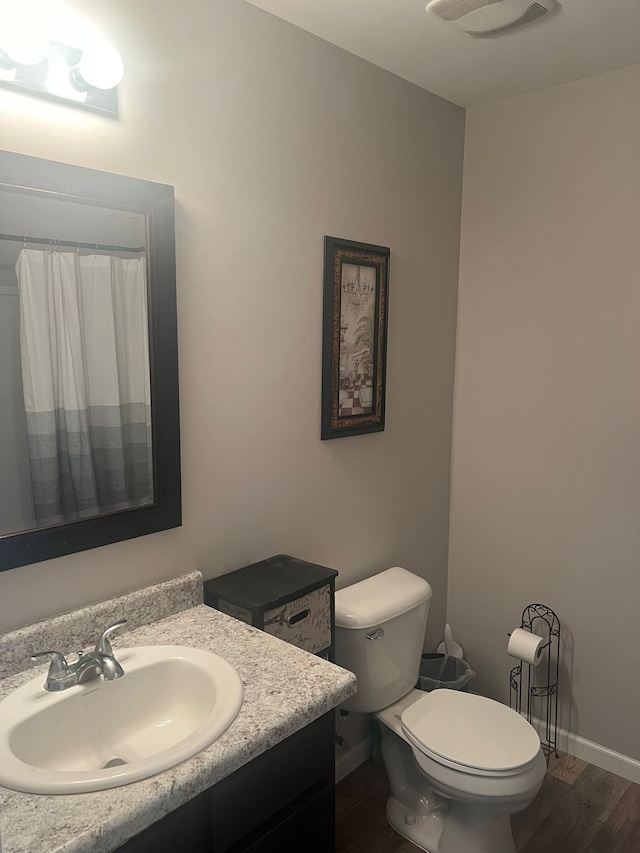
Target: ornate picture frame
{"x": 354, "y": 351}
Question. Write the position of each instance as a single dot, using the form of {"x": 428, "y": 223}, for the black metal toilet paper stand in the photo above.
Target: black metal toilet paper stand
{"x": 539, "y": 683}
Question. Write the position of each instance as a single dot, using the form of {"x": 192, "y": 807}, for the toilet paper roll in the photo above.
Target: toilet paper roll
{"x": 525, "y": 646}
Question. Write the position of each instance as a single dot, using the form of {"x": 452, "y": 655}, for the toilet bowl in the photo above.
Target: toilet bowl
{"x": 459, "y": 765}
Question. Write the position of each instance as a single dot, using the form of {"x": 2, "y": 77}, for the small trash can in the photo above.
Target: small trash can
{"x": 437, "y": 671}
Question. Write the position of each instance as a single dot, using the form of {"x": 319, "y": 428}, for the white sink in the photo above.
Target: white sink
{"x": 172, "y": 702}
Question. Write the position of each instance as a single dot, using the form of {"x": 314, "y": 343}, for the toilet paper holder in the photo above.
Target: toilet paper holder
{"x": 539, "y": 684}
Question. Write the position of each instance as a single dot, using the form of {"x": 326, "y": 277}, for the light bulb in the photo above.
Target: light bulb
{"x": 101, "y": 66}
{"x": 24, "y": 32}
{"x": 24, "y": 46}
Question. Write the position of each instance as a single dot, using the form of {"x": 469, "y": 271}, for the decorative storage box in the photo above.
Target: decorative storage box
{"x": 284, "y": 596}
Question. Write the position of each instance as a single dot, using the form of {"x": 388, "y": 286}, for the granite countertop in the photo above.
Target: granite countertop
{"x": 284, "y": 690}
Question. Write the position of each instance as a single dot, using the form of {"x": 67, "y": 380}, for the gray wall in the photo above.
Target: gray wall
{"x": 546, "y": 451}
{"x": 274, "y": 138}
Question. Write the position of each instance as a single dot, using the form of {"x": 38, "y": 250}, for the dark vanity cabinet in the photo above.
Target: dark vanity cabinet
{"x": 284, "y": 596}
{"x": 282, "y": 800}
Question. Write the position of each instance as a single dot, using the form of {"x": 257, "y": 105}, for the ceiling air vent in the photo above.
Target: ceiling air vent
{"x": 485, "y": 18}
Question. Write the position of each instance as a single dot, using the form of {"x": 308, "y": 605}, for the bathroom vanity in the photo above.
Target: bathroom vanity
{"x": 266, "y": 781}
{"x": 284, "y": 795}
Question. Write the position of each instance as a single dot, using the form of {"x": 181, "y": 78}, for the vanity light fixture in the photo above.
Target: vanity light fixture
{"x": 86, "y": 75}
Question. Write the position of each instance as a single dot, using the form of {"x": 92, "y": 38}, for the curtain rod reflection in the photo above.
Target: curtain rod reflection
{"x": 73, "y": 244}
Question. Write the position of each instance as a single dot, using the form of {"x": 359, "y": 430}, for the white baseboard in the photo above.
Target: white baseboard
{"x": 353, "y": 758}
{"x": 594, "y": 753}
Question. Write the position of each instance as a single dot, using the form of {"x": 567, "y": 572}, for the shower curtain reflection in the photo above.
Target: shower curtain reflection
{"x": 85, "y": 370}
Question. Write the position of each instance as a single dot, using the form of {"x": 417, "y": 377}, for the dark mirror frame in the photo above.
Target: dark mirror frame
{"x": 19, "y": 172}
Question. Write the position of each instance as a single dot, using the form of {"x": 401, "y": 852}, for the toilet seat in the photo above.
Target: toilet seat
{"x": 470, "y": 733}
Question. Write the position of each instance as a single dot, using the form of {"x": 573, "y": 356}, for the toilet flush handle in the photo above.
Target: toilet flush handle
{"x": 376, "y": 635}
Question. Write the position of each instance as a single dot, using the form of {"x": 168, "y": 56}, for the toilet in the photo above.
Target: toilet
{"x": 459, "y": 765}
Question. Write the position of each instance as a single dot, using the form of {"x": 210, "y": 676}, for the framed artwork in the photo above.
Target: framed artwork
{"x": 356, "y": 294}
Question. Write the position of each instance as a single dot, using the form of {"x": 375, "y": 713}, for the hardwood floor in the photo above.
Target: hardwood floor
{"x": 580, "y": 809}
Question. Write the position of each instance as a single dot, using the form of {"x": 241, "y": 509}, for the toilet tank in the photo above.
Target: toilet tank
{"x": 380, "y": 624}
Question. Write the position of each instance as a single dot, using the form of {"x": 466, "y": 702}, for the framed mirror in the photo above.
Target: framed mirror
{"x": 90, "y": 450}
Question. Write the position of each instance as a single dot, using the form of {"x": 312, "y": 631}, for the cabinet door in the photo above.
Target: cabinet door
{"x": 273, "y": 786}
{"x": 307, "y": 829}
{"x": 185, "y": 830}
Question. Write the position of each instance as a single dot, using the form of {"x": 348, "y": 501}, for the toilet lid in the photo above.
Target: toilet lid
{"x": 470, "y": 730}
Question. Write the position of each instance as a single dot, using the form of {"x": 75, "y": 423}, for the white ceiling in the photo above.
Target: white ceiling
{"x": 581, "y": 38}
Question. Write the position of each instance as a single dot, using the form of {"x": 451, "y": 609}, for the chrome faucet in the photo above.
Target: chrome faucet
{"x": 100, "y": 661}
